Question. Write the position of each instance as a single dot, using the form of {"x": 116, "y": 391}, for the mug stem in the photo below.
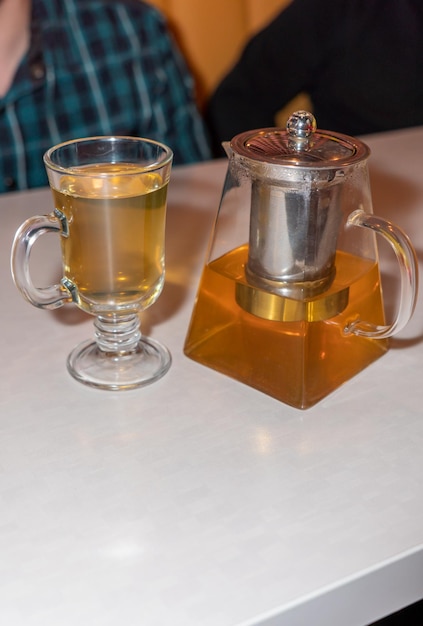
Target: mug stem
{"x": 117, "y": 334}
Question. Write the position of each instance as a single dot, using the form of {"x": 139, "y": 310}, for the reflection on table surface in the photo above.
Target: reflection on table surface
{"x": 198, "y": 500}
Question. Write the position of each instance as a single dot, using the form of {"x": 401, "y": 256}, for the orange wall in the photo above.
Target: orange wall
{"x": 211, "y": 33}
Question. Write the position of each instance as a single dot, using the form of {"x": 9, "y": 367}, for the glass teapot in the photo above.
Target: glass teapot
{"x": 290, "y": 299}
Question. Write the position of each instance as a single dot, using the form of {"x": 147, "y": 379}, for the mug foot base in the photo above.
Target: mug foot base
{"x": 91, "y": 366}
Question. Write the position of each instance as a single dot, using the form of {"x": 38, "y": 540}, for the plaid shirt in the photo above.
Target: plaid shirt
{"x": 96, "y": 67}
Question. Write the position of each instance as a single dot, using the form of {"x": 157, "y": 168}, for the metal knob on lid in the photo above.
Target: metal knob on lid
{"x": 301, "y": 127}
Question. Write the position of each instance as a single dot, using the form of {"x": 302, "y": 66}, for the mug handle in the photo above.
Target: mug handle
{"x": 408, "y": 264}
{"x": 51, "y": 297}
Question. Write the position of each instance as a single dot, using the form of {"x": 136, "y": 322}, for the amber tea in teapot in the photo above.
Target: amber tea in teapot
{"x": 290, "y": 298}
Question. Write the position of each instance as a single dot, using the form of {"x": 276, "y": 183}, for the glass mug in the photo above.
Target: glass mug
{"x": 110, "y": 197}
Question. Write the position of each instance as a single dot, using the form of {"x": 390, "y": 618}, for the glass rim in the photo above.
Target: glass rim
{"x": 50, "y": 164}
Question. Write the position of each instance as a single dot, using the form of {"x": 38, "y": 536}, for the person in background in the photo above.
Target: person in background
{"x": 75, "y": 68}
{"x": 359, "y": 61}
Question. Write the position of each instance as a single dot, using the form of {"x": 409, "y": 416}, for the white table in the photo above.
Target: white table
{"x": 198, "y": 501}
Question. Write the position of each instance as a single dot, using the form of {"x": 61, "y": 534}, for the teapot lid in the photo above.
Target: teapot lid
{"x": 300, "y": 145}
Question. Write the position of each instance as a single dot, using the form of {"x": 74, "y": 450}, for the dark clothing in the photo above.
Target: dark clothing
{"x": 360, "y": 61}
{"x": 96, "y": 67}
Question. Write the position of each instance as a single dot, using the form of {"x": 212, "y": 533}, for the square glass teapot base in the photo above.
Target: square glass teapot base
{"x": 298, "y": 361}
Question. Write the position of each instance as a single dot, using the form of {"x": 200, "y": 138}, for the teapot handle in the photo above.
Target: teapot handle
{"x": 407, "y": 261}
